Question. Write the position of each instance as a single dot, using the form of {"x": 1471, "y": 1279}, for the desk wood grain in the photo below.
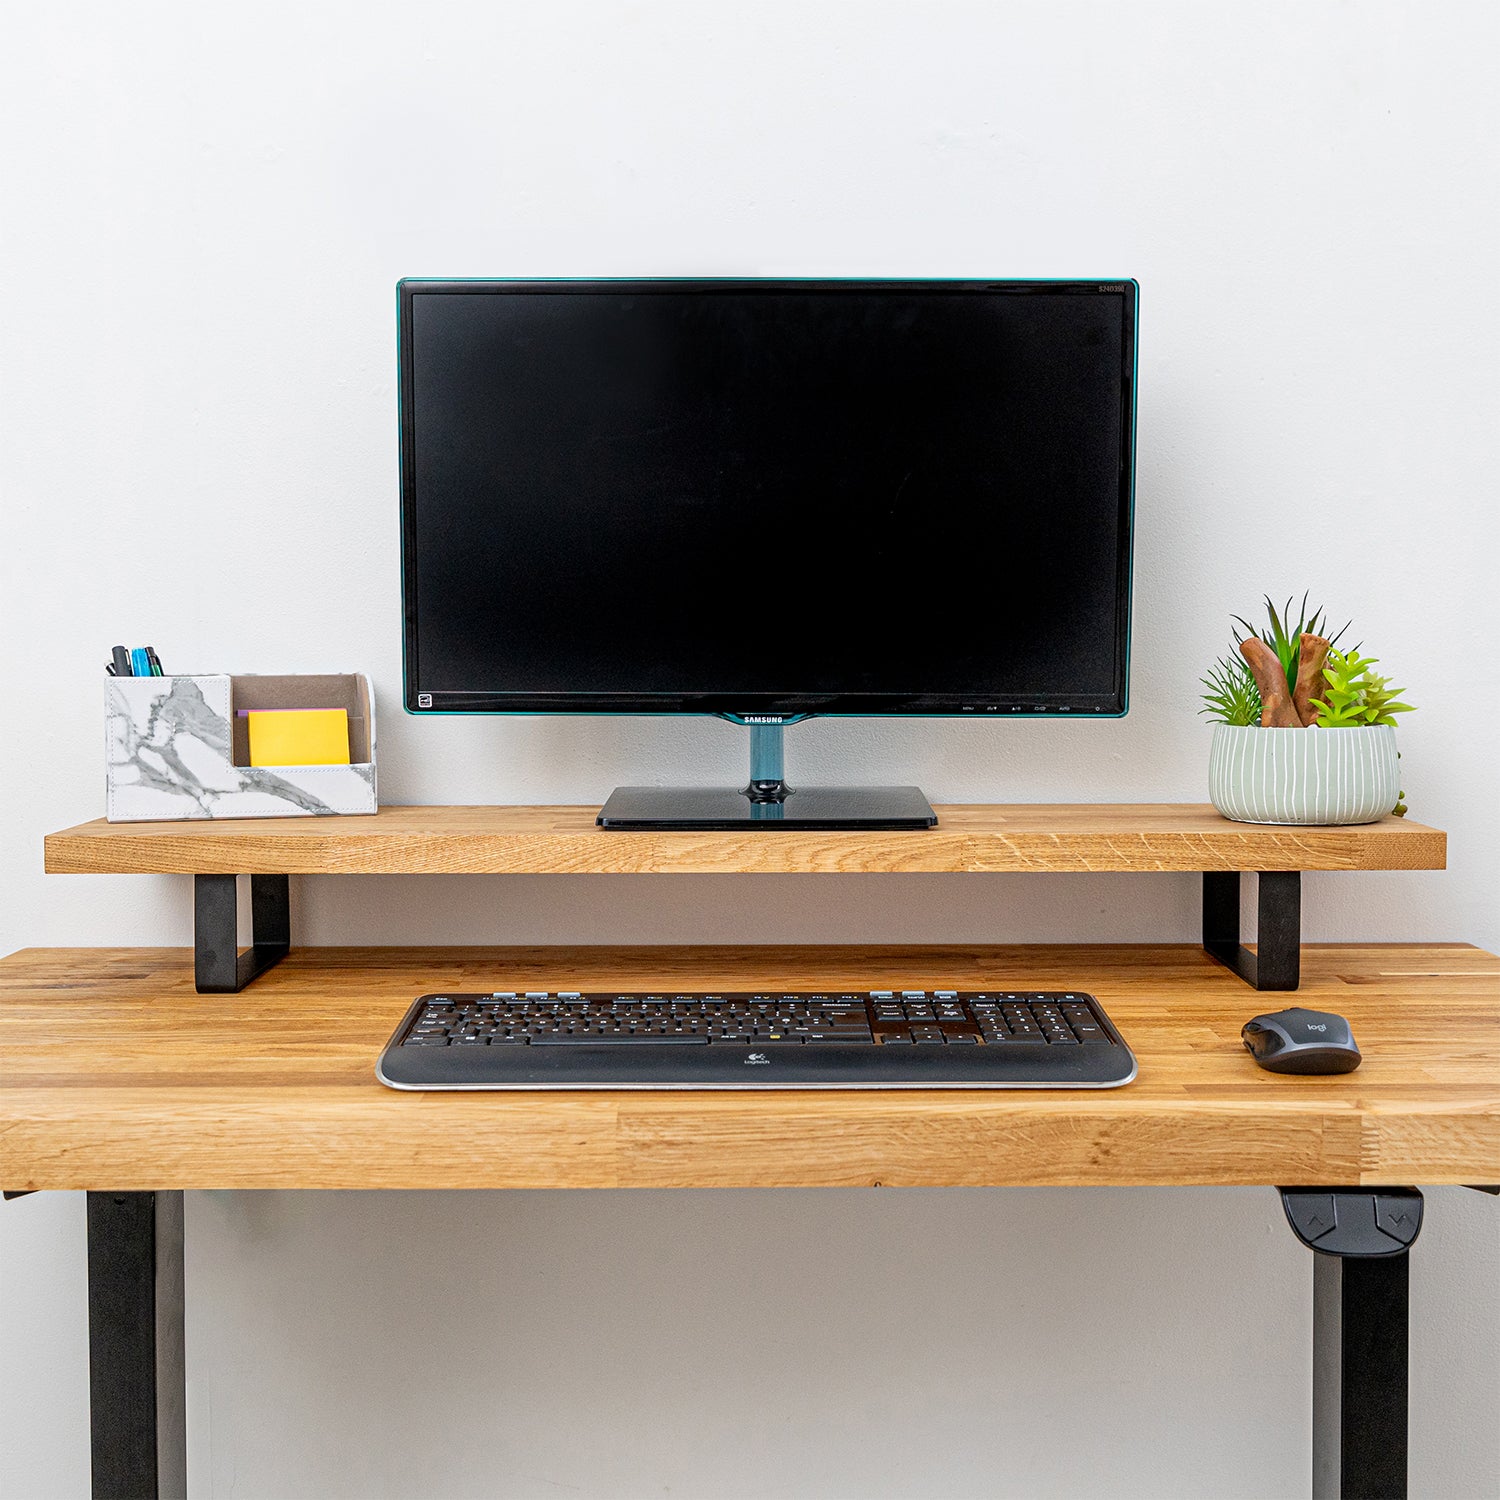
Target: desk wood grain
{"x": 115, "y": 1074}
{"x": 564, "y": 840}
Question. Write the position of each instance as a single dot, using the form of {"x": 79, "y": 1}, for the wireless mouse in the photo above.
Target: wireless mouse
{"x": 1301, "y": 1041}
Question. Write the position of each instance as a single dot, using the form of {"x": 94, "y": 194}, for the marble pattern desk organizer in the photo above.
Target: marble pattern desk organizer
{"x": 171, "y": 749}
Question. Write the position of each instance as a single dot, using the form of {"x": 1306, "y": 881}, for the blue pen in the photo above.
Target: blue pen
{"x": 140, "y": 663}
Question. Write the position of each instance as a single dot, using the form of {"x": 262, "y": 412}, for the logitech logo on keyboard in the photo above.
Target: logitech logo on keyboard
{"x": 757, "y": 1059}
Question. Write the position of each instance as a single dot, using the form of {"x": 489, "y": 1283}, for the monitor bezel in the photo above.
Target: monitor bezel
{"x": 765, "y": 707}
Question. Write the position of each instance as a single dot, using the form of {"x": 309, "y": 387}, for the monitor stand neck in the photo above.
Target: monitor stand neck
{"x": 768, "y": 786}
{"x": 767, "y": 802}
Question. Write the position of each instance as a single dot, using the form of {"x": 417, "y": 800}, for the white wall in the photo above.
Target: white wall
{"x": 205, "y": 209}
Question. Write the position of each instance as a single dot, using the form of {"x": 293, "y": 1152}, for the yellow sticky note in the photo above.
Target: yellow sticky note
{"x": 298, "y": 736}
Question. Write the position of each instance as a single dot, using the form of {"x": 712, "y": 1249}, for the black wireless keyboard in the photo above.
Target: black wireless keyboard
{"x": 1015, "y": 1039}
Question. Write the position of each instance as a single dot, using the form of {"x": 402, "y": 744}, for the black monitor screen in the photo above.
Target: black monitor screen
{"x": 767, "y": 497}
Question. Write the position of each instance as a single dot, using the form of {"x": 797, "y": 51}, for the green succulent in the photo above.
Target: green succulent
{"x": 1380, "y": 700}
{"x": 1356, "y": 696}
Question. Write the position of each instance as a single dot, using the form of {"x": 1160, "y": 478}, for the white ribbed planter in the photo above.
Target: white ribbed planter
{"x": 1322, "y": 776}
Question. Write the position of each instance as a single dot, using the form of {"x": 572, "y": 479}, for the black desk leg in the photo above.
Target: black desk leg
{"x": 1361, "y": 1277}
{"x": 1360, "y": 1333}
{"x": 1277, "y": 962}
{"x": 219, "y": 966}
{"x": 137, "y": 1401}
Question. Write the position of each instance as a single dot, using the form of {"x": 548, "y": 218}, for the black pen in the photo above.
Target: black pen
{"x": 122, "y": 661}
{"x": 155, "y": 661}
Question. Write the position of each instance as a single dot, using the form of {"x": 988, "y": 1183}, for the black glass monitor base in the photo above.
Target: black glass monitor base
{"x": 723, "y": 809}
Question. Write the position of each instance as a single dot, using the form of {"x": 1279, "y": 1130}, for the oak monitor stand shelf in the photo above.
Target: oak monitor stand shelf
{"x": 969, "y": 839}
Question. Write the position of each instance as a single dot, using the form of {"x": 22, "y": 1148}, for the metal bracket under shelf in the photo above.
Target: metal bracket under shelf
{"x": 1277, "y": 962}
{"x": 219, "y": 968}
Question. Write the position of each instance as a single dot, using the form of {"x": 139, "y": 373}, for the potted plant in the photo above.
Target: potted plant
{"x": 1305, "y": 731}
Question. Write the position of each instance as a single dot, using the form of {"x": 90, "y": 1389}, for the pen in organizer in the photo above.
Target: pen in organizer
{"x": 141, "y": 661}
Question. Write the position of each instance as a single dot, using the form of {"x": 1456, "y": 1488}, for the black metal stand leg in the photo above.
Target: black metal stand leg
{"x": 137, "y": 1401}
{"x": 1361, "y": 1278}
{"x": 1277, "y": 962}
{"x": 219, "y": 967}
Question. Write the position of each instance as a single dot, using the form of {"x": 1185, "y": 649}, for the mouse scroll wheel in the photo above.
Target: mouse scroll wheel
{"x": 1251, "y": 1028}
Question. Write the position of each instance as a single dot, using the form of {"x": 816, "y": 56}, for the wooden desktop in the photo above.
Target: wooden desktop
{"x": 120, "y": 1076}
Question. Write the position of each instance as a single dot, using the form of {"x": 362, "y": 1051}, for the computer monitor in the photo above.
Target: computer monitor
{"x": 767, "y": 500}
